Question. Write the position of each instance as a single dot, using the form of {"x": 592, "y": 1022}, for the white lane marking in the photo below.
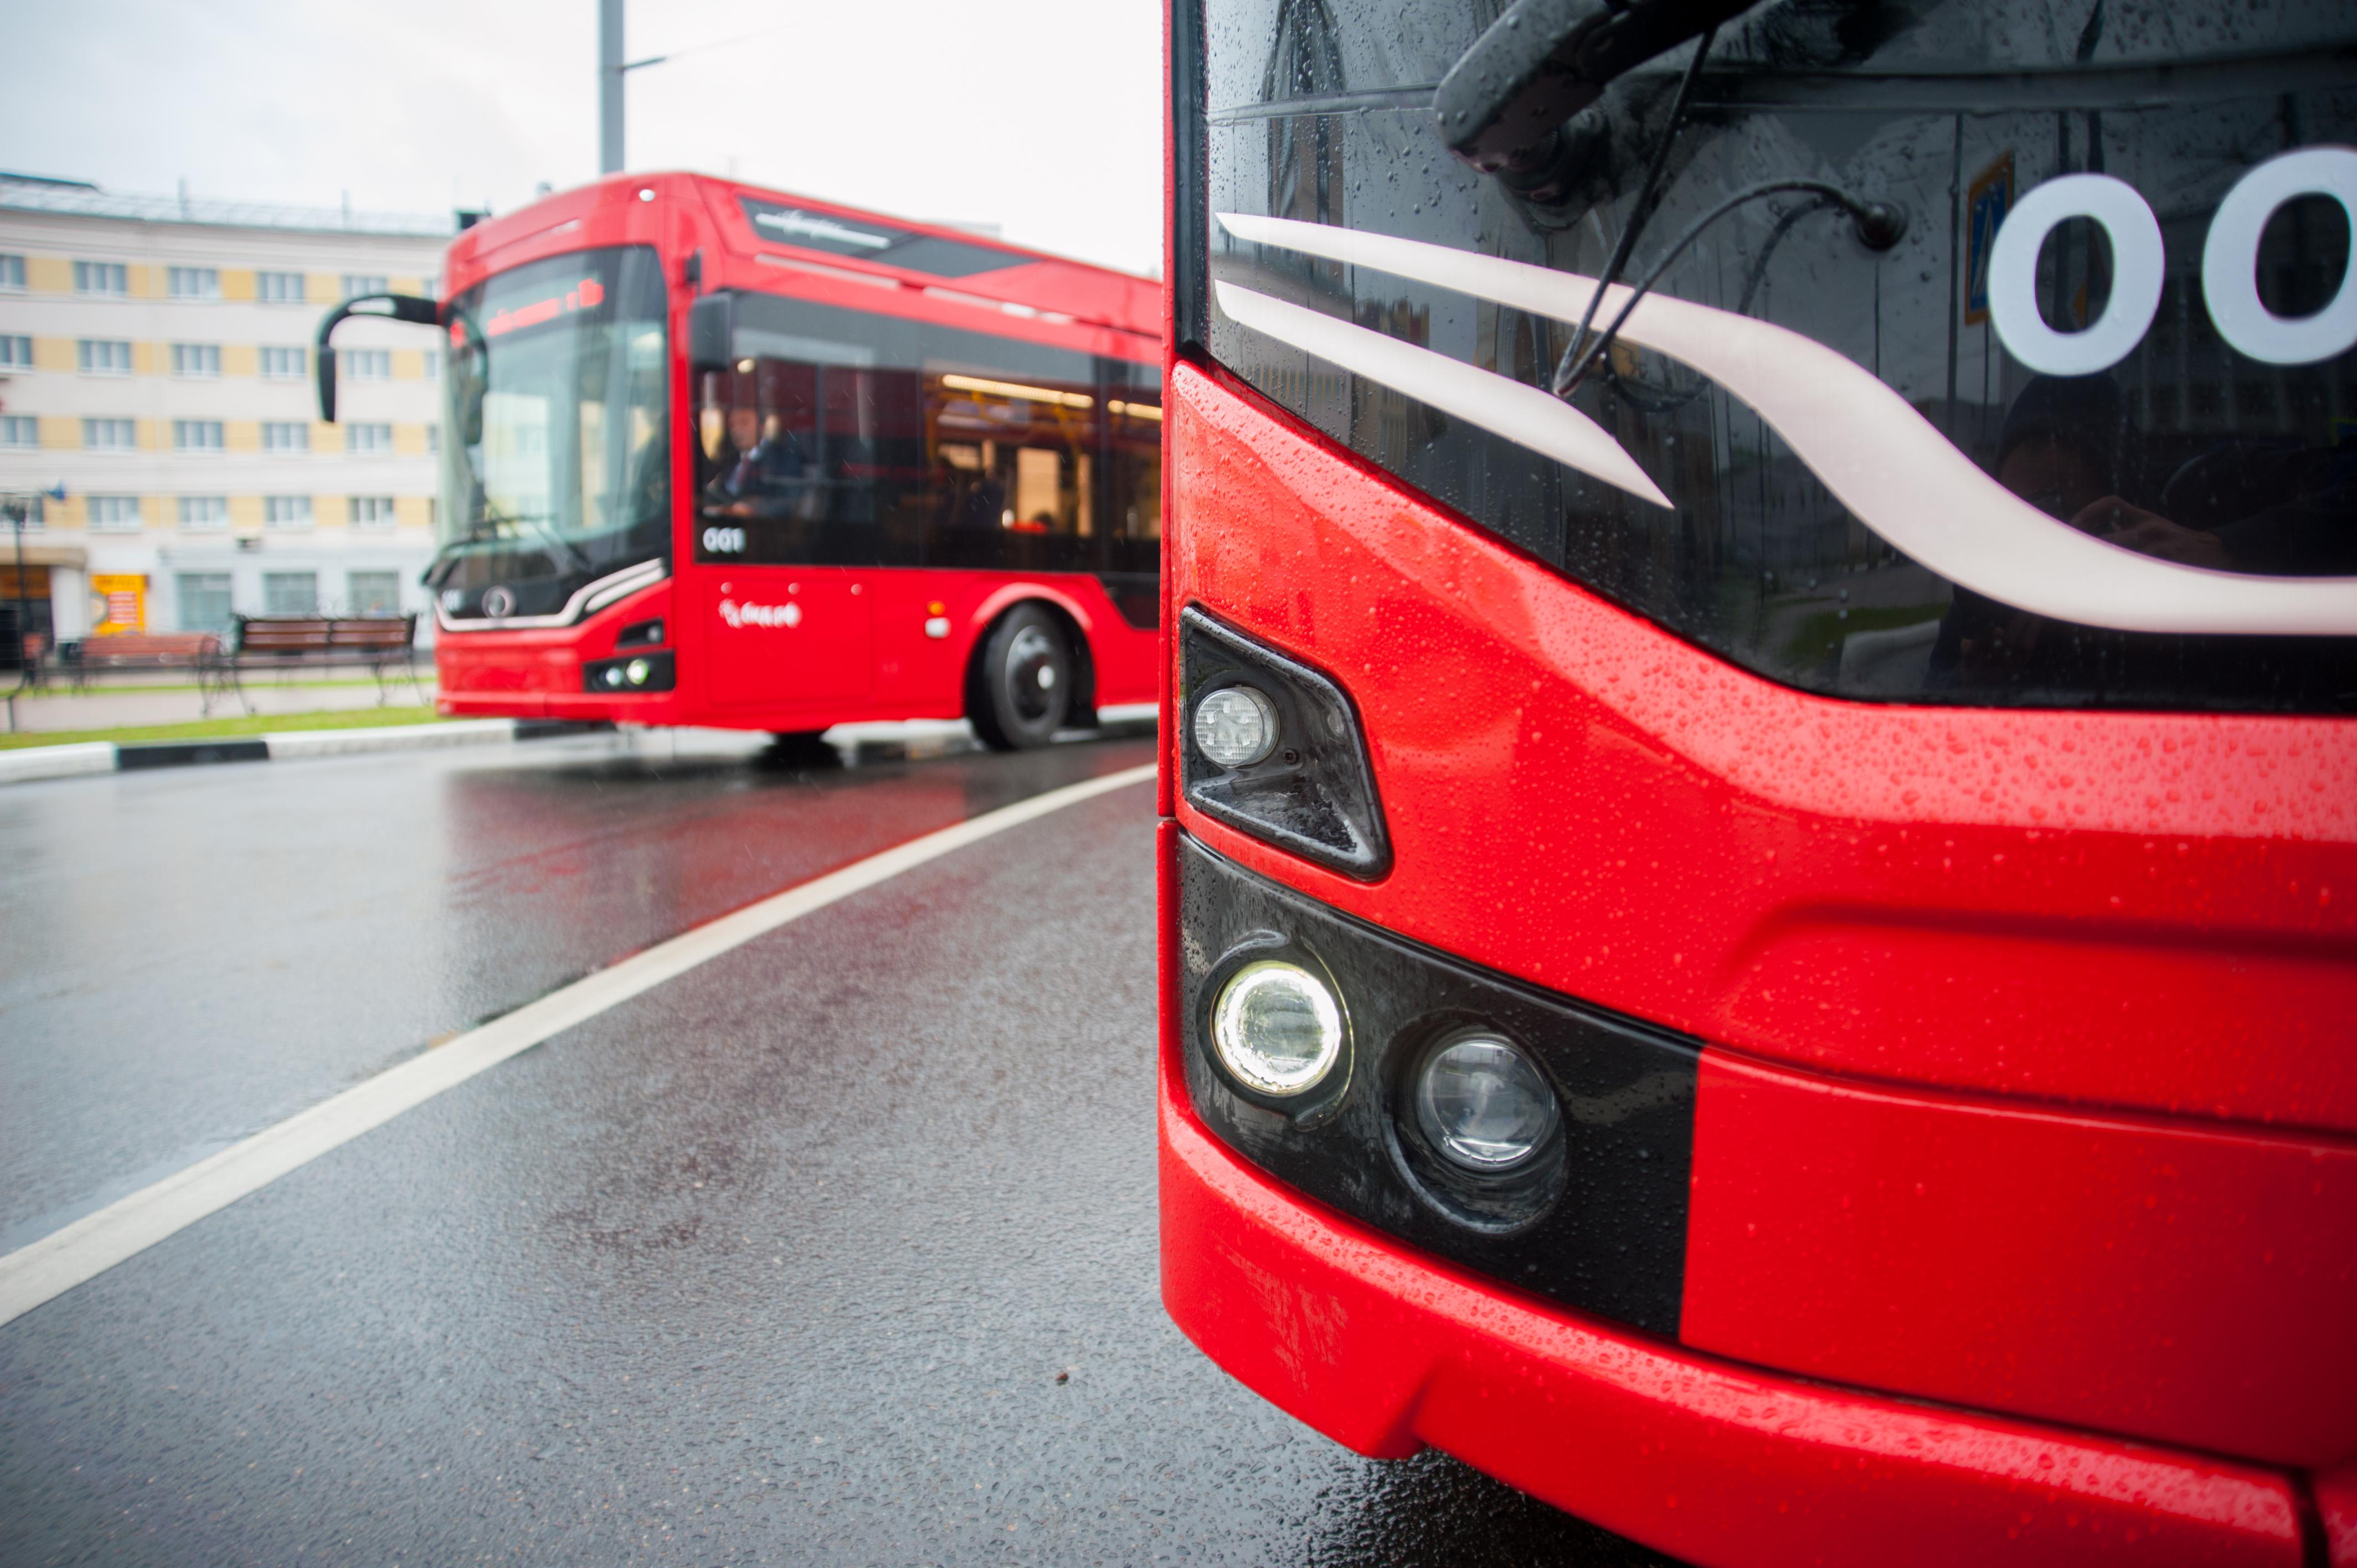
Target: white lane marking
{"x": 48, "y": 1268}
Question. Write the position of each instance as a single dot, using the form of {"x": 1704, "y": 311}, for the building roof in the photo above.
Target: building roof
{"x": 34, "y": 193}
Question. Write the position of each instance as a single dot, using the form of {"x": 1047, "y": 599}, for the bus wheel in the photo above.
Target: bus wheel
{"x": 1023, "y": 682}
{"x": 803, "y": 748}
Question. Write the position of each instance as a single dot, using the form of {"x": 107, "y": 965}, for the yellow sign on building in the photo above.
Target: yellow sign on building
{"x": 118, "y": 603}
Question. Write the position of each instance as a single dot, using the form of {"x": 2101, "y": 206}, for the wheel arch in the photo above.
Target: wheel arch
{"x": 1068, "y": 616}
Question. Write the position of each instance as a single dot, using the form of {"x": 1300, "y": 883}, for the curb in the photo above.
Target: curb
{"x": 108, "y": 757}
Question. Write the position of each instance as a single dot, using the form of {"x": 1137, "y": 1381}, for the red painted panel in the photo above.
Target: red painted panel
{"x": 2146, "y": 910}
{"x": 1385, "y": 1351}
{"x": 770, "y": 635}
{"x": 2189, "y": 1283}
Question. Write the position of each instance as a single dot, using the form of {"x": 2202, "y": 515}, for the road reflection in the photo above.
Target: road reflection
{"x": 1432, "y": 1510}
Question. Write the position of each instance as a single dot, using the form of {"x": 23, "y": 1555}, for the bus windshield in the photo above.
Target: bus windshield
{"x": 557, "y": 471}
{"x": 2157, "y": 359}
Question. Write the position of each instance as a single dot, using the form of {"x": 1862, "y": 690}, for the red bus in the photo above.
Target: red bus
{"x": 1759, "y": 865}
{"x": 716, "y": 455}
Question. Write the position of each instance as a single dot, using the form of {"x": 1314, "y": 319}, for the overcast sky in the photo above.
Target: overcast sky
{"x": 1043, "y": 116}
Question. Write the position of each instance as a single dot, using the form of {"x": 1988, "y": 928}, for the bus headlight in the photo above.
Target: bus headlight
{"x": 630, "y": 674}
{"x": 1482, "y": 1104}
{"x": 1236, "y": 727}
{"x": 1277, "y": 1027}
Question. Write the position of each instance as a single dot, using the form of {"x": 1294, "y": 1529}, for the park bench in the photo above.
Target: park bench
{"x": 137, "y": 650}
{"x": 385, "y": 645}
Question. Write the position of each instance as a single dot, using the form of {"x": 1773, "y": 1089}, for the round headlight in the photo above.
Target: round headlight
{"x": 1236, "y": 727}
{"x": 639, "y": 671}
{"x": 1277, "y": 1027}
{"x": 1483, "y": 1104}
{"x": 613, "y": 676}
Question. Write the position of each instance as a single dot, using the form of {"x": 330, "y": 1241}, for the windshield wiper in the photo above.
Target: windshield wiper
{"x": 536, "y": 523}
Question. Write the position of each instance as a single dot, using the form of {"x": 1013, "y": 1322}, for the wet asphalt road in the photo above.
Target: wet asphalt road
{"x": 838, "y": 1249}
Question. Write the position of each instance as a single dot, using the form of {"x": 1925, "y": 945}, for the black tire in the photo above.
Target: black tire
{"x": 802, "y": 749}
{"x": 1022, "y": 683}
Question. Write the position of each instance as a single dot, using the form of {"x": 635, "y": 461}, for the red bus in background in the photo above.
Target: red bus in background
{"x": 1760, "y": 875}
{"x": 720, "y": 455}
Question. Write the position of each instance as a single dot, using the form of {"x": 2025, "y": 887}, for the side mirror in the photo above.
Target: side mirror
{"x": 1545, "y": 61}
{"x": 712, "y": 333}
{"x": 398, "y": 306}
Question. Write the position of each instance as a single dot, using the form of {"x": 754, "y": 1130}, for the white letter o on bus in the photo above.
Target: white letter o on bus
{"x": 2229, "y": 260}
{"x": 2137, "y": 266}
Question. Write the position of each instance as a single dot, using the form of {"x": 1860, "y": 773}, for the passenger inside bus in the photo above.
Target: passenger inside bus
{"x": 766, "y": 476}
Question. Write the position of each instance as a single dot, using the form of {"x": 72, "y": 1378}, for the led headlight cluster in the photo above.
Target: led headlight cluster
{"x": 1236, "y": 727}
{"x": 1277, "y": 1027}
{"x": 628, "y": 673}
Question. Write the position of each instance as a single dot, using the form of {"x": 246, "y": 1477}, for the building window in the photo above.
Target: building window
{"x": 194, "y": 283}
{"x": 197, "y": 434}
{"x": 112, "y": 514}
{"x": 368, "y": 437}
{"x": 104, "y": 357}
{"x": 204, "y": 600}
{"x": 433, "y": 364}
{"x": 284, "y": 364}
{"x": 433, "y": 438}
{"x": 290, "y": 592}
{"x": 109, "y": 435}
{"x": 370, "y": 511}
{"x": 111, "y": 278}
{"x": 358, "y": 284}
{"x": 367, "y": 364}
{"x": 373, "y": 592}
{"x": 287, "y": 512}
{"x": 278, "y": 288}
{"x": 431, "y": 285}
{"x": 204, "y": 514}
{"x": 196, "y": 358}
{"x": 19, "y": 429}
{"x": 15, "y": 353}
{"x": 286, "y": 437}
{"x": 12, "y": 275}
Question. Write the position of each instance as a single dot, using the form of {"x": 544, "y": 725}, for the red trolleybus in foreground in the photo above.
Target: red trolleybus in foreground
{"x": 1760, "y": 875}
{"x": 719, "y": 455}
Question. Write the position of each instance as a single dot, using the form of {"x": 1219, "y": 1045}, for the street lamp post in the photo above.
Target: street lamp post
{"x": 609, "y": 86}
{"x": 612, "y": 69}
{"x": 19, "y": 507}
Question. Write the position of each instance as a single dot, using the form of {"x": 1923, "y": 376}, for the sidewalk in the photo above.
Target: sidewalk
{"x": 55, "y": 711}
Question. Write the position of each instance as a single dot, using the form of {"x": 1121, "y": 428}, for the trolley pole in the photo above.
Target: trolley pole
{"x": 609, "y": 86}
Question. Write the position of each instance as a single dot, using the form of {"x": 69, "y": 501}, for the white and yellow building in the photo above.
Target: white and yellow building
{"x": 155, "y": 361}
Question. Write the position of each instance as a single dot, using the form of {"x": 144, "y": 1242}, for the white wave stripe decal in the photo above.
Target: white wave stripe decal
{"x": 1521, "y": 415}
{"x": 1885, "y": 462}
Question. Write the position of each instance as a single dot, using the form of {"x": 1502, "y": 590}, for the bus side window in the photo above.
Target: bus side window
{"x": 832, "y": 464}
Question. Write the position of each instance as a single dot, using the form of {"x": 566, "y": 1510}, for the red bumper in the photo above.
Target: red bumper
{"x": 1387, "y": 1351}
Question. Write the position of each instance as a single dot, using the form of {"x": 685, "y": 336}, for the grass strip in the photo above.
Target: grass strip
{"x": 212, "y": 729}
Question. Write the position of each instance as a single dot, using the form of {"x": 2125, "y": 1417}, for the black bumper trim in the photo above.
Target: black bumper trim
{"x": 1601, "y": 1227}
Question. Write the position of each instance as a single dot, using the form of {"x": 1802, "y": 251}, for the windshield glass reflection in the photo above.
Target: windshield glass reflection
{"x": 558, "y": 469}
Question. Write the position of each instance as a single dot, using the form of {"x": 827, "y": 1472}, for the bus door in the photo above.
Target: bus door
{"x": 787, "y": 552}
{"x": 787, "y": 634}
